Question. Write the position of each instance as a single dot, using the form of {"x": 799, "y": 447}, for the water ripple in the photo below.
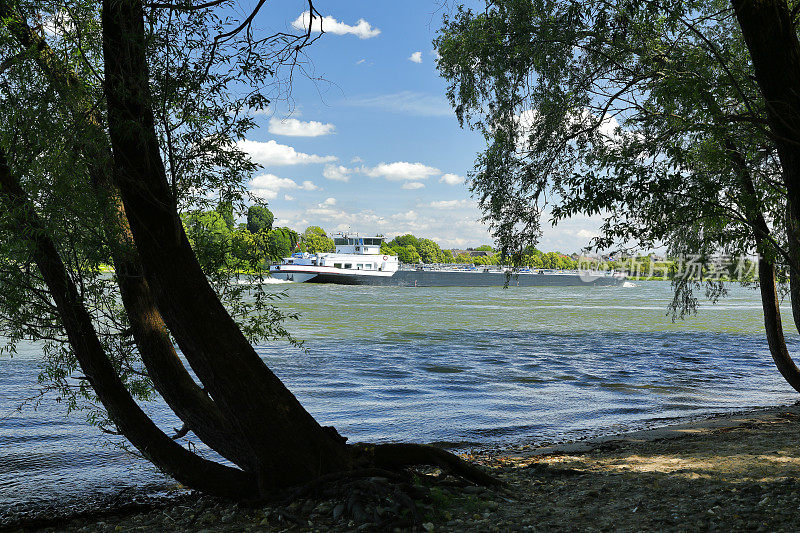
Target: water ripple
{"x": 459, "y": 366}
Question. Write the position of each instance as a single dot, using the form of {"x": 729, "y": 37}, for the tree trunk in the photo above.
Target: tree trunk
{"x": 170, "y": 378}
{"x": 289, "y": 445}
{"x": 766, "y": 272}
{"x": 772, "y": 323}
{"x": 771, "y": 39}
{"x": 165, "y": 453}
{"x": 793, "y": 240}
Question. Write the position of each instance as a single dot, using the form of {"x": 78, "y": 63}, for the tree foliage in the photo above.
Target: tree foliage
{"x": 280, "y": 242}
{"x": 672, "y": 121}
{"x": 259, "y": 219}
{"x": 315, "y": 240}
{"x": 629, "y": 111}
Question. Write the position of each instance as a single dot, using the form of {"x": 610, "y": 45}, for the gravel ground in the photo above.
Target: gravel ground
{"x": 732, "y": 473}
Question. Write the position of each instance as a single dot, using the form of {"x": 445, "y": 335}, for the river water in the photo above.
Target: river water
{"x": 464, "y": 367}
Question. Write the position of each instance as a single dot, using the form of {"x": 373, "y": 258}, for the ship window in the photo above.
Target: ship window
{"x": 358, "y": 248}
{"x": 339, "y": 241}
{"x": 348, "y": 265}
{"x": 359, "y": 266}
{"x": 337, "y": 265}
{"x": 351, "y": 241}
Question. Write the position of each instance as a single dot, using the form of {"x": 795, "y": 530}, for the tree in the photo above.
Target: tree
{"x": 280, "y": 243}
{"x": 674, "y": 121}
{"x": 463, "y": 258}
{"x": 386, "y": 248}
{"x": 90, "y": 204}
{"x": 315, "y": 240}
{"x": 210, "y": 238}
{"x": 406, "y": 254}
{"x": 534, "y": 261}
{"x": 225, "y": 210}
{"x": 171, "y": 137}
{"x": 259, "y": 219}
{"x": 246, "y": 249}
{"x": 429, "y": 251}
{"x": 405, "y": 240}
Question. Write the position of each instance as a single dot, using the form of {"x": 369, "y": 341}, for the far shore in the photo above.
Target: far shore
{"x": 732, "y": 472}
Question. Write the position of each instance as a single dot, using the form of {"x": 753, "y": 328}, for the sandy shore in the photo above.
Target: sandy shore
{"x": 737, "y": 472}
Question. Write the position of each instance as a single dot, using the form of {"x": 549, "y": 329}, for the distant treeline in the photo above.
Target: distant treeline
{"x": 411, "y": 249}
{"x": 221, "y": 244}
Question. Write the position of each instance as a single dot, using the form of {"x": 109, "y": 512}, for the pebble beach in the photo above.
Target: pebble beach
{"x": 737, "y": 472}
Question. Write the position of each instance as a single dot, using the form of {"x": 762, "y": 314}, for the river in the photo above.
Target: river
{"x": 465, "y": 367}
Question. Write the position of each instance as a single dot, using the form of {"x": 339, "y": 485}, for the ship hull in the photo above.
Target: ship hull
{"x": 440, "y": 278}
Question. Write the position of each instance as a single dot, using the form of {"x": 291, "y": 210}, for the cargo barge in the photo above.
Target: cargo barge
{"x": 358, "y": 261}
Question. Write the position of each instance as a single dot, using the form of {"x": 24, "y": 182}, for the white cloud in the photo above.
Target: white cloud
{"x": 362, "y": 29}
{"x": 416, "y": 57}
{"x": 288, "y": 197}
{"x": 337, "y": 172}
{"x": 435, "y": 54}
{"x": 261, "y": 111}
{"x": 360, "y": 61}
{"x": 407, "y": 102}
{"x": 297, "y": 128}
{"x": 451, "y": 179}
{"x": 587, "y": 234}
{"x": 609, "y": 128}
{"x": 409, "y": 216}
{"x": 271, "y": 153}
{"x": 411, "y": 185}
{"x": 328, "y": 202}
{"x": 401, "y": 171}
{"x": 356, "y": 159}
{"x": 366, "y": 221}
{"x": 448, "y": 204}
{"x": 267, "y": 186}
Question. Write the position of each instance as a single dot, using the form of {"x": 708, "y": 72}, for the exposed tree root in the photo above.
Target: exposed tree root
{"x": 381, "y": 491}
{"x": 318, "y": 485}
{"x": 383, "y": 498}
{"x": 394, "y": 456}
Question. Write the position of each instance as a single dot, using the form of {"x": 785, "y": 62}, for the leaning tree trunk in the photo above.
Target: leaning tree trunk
{"x": 170, "y": 378}
{"x": 289, "y": 446}
{"x": 137, "y": 427}
{"x": 766, "y": 270}
{"x": 774, "y": 327}
{"x": 793, "y": 240}
{"x": 771, "y": 38}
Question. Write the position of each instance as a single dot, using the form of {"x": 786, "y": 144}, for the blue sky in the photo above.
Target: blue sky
{"x": 374, "y": 147}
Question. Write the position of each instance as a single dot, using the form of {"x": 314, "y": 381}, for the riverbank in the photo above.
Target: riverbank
{"x": 731, "y": 472}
